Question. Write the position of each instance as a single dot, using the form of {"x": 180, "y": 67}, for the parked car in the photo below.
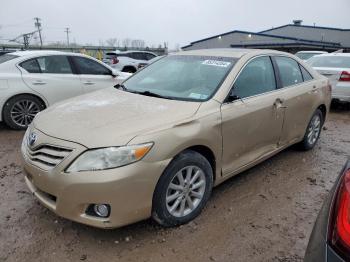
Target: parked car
{"x": 306, "y": 55}
{"x": 128, "y": 61}
{"x": 157, "y": 144}
{"x": 336, "y": 67}
{"x": 30, "y": 81}
{"x": 330, "y": 237}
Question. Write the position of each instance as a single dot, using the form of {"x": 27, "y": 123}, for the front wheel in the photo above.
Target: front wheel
{"x": 313, "y": 131}
{"x": 183, "y": 189}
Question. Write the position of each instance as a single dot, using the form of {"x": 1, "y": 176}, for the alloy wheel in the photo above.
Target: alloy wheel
{"x": 314, "y": 130}
{"x": 23, "y": 112}
{"x": 185, "y": 191}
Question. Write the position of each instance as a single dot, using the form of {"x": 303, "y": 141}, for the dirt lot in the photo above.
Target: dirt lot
{"x": 264, "y": 214}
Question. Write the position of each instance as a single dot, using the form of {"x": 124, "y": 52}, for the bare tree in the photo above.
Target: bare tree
{"x": 126, "y": 42}
{"x": 138, "y": 43}
{"x": 112, "y": 42}
{"x": 177, "y": 47}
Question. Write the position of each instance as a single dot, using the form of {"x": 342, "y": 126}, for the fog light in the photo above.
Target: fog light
{"x": 101, "y": 210}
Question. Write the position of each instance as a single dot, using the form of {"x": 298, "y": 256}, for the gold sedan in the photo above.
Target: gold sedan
{"x": 158, "y": 143}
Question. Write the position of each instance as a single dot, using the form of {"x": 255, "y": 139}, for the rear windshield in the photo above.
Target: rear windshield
{"x": 330, "y": 61}
{"x": 110, "y": 55}
{"x": 7, "y": 57}
{"x": 113, "y": 55}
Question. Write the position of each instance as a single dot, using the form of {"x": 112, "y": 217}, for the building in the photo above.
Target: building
{"x": 290, "y": 38}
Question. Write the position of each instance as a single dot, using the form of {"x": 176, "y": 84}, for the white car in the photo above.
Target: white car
{"x": 30, "y": 81}
{"x": 335, "y": 66}
{"x": 306, "y": 55}
{"x": 128, "y": 61}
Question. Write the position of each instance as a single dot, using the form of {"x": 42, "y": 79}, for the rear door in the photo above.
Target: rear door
{"x": 52, "y": 77}
{"x": 252, "y": 124}
{"x": 93, "y": 75}
{"x": 298, "y": 91}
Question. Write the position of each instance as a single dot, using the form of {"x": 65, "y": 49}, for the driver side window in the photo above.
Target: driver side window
{"x": 257, "y": 77}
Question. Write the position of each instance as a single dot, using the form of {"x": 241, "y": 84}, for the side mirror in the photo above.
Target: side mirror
{"x": 232, "y": 96}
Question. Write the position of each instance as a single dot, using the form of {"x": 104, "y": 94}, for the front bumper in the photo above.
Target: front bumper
{"x": 128, "y": 190}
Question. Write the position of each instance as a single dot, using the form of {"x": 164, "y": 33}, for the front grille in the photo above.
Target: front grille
{"x": 47, "y": 157}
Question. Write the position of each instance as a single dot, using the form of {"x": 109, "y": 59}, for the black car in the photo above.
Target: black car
{"x": 330, "y": 237}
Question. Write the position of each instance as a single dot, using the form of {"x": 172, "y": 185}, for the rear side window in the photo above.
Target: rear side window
{"x": 31, "y": 66}
{"x": 289, "y": 71}
{"x": 7, "y": 57}
{"x": 149, "y": 56}
{"x": 257, "y": 77}
{"x": 86, "y": 66}
{"x": 54, "y": 65}
{"x": 306, "y": 75}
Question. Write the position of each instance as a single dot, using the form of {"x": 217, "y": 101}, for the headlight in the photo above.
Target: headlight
{"x": 110, "y": 157}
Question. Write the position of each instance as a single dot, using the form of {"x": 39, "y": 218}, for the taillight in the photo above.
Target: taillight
{"x": 115, "y": 61}
{"x": 345, "y": 76}
{"x": 339, "y": 227}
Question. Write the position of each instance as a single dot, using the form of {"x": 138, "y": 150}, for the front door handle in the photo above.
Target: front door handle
{"x": 88, "y": 83}
{"x": 39, "y": 83}
{"x": 279, "y": 103}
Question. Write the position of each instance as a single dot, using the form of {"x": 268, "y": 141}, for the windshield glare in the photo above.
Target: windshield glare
{"x": 192, "y": 78}
{"x": 330, "y": 61}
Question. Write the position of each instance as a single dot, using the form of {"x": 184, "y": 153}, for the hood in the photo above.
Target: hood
{"x": 110, "y": 117}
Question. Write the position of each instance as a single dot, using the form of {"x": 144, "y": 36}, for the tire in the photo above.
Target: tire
{"x": 19, "y": 111}
{"x": 188, "y": 162}
{"x": 313, "y": 131}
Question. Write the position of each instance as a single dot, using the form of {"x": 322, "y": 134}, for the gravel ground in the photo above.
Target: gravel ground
{"x": 264, "y": 214}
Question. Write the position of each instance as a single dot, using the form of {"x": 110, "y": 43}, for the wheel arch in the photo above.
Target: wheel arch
{"x": 19, "y": 94}
{"x": 323, "y": 109}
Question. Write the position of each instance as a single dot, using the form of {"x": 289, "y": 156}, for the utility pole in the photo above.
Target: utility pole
{"x": 67, "y": 32}
{"x": 38, "y": 25}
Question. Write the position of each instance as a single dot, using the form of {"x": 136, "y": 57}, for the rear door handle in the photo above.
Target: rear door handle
{"x": 39, "y": 83}
{"x": 89, "y": 83}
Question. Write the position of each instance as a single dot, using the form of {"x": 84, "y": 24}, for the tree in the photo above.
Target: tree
{"x": 138, "y": 43}
{"x": 126, "y": 42}
{"x": 112, "y": 42}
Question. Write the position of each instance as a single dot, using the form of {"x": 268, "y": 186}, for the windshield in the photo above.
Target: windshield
{"x": 330, "y": 61}
{"x": 192, "y": 78}
{"x": 306, "y": 56}
{"x": 7, "y": 57}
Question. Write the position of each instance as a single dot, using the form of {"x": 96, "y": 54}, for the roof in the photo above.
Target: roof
{"x": 282, "y": 44}
{"x": 226, "y": 52}
{"x": 38, "y": 52}
{"x": 263, "y": 34}
{"x": 306, "y": 26}
{"x": 312, "y": 52}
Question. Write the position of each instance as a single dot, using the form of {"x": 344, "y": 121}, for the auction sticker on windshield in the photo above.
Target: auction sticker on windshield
{"x": 216, "y": 63}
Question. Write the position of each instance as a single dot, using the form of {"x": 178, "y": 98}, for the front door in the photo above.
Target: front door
{"x": 252, "y": 124}
{"x": 93, "y": 75}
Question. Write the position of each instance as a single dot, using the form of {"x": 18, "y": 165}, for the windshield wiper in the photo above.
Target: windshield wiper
{"x": 149, "y": 93}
